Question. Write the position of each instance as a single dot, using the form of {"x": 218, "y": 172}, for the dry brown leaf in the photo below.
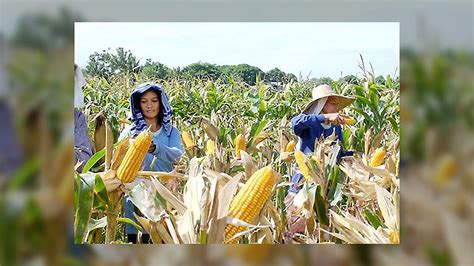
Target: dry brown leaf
{"x": 147, "y": 225}
{"x": 261, "y": 137}
{"x": 211, "y": 130}
{"x": 249, "y": 164}
{"x": 226, "y": 196}
{"x": 109, "y": 143}
{"x": 168, "y": 196}
{"x": 387, "y": 208}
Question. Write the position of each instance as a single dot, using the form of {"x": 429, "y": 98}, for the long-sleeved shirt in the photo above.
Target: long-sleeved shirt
{"x": 82, "y": 145}
{"x": 10, "y": 152}
{"x": 167, "y": 151}
{"x": 309, "y": 128}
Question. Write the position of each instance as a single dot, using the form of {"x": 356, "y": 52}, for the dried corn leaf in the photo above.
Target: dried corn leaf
{"x": 260, "y": 137}
{"x": 249, "y": 164}
{"x": 168, "y": 196}
{"x": 211, "y": 130}
{"x": 109, "y": 142}
{"x": 164, "y": 176}
{"x": 226, "y": 196}
{"x": 185, "y": 228}
{"x": 387, "y": 208}
{"x": 147, "y": 225}
{"x": 163, "y": 233}
{"x": 172, "y": 231}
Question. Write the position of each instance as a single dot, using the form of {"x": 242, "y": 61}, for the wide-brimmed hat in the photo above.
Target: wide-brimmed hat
{"x": 325, "y": 90}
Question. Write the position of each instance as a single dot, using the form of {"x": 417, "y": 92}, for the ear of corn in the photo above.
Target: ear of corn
{"x": 299, "y": 157}
{"x": 393, "y": 237}
{"x": 134, "y": 157}
{"x": 210, "y": 146}
{"x": 445, "y": 170}
{"x": 239, "y": 145}
{"x": 290, "y": 146}
{"x": 377, "y": 157}
{"x": 250, "y": 200}
{"x": 187, "y": 139}
{"x": 119, "y": 153}
{"x": 349, "y": 120}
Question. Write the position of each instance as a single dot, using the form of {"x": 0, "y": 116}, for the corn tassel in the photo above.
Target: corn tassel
{"x": 239, "y": 145}
{"x": 250, "y": 200}
{"x": 290, "y": 146}
{"x": 377, "y": 157}
{"x": 210, "y": 146}
{"x": 299, "y": 157}
{"x": 134, "y": 157}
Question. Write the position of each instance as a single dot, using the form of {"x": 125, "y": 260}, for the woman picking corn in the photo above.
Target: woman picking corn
{"x": 319, "y": 119}
{"x": 150, "y": 109}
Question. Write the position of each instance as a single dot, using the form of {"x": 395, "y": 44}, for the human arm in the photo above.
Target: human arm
{"x": 11, "y": 157}
{"x": 171, "y": 152}
{"x": 303, "y": 121}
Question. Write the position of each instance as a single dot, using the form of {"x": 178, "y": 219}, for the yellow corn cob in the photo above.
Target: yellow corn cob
{"x": 349, "y": 120}
{"x": 133, "y": 159}
{"x": 250, "y": 200}
{"x": 290, "y": 146}
{"x": 393, "y": 237}
{"x": 239, "y": 145}
{"x": 119, "y": 153}
{"x": 377, "y": 157}
{"x": 299, "y": 156}
{"x": 188, "y": 140}
{"x": 445, "y": 170}
{"x": 210, "y": 146}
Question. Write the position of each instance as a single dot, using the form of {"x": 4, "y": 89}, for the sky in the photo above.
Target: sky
{"x": 310, "y": 49}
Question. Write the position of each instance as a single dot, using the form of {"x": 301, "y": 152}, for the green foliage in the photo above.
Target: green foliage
{"x": 107, "y": 64}
{"x": 44, "y": 32}
{"x": 318, "y": 81}
{"x": 156, "y": 70}
{"x": 202, "y": 70}
{"x": 110, "y": 65}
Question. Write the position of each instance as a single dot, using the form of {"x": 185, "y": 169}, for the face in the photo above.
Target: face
{"x": 150, "y": 104}
{"x": 330, "y": 106}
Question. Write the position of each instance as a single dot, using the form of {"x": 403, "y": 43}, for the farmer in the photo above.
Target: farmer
{"x": 150, "y": 108}
{"x": 320, "y": 118}
{"x": 82, "y": 145}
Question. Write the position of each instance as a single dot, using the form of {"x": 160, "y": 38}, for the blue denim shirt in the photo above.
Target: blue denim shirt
{"x": 309, "y": 128}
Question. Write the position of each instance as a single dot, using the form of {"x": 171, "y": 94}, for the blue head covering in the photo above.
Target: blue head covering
{"x": 138, "y": 121}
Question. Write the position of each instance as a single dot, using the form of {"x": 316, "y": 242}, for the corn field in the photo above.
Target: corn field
{"x": 233, "y": 134}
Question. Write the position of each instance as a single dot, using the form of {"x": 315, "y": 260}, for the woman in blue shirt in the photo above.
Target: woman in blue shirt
{"x": 150, "y": 109}
{"x": 319, "y": 119}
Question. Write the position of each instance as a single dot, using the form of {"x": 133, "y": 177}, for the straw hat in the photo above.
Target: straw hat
{"x": 325, "y": 90}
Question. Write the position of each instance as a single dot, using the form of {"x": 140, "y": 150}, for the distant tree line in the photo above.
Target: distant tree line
{"x": 107, "y": 64}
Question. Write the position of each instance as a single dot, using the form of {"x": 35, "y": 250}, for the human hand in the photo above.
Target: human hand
{"x": 334, "y": 118}
{"x": 152, "y": 148}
